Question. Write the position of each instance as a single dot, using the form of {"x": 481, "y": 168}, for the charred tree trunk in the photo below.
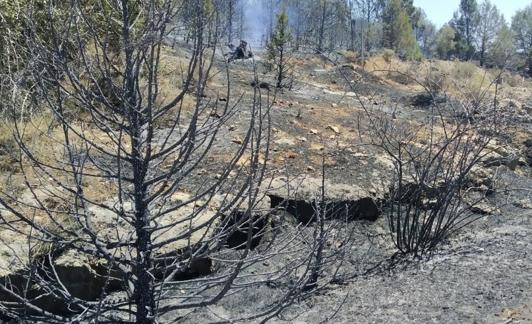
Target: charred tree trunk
{"x": 321, "y": 33}
{"x": 483, "y": 52}
{"x": 298, "y": 26}
{"x": 352, "y": 34}
{"x": 368, "y": 29}
{"x": 241, "y": 22}
{"x": 143, "y": 283}
{"x": 271, "y": 17}
{"x": 281, "y": 68}
{"x": 230, "y": 15}
{"x": 530, "y": 62}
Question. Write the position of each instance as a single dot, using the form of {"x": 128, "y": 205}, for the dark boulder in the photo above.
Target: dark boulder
{"x": 426, "y": 99}
{"x": 261, "y": 85}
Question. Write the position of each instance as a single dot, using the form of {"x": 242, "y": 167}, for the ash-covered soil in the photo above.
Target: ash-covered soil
{"x": 481, "y": 275}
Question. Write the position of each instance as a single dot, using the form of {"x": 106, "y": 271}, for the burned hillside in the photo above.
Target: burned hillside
{"x": 238, "y": 161}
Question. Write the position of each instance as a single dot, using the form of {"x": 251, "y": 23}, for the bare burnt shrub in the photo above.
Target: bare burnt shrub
{"x": 428, "y": 196}
{"x": 429, "y": 182}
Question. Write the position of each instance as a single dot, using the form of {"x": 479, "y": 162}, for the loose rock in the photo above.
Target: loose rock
{"x": 334, "y": 129}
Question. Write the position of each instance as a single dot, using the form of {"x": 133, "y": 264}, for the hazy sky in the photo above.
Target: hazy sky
{"x": 441, "y": 11}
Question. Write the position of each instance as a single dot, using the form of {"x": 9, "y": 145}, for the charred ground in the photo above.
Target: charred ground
{"x": 319, "y": 128}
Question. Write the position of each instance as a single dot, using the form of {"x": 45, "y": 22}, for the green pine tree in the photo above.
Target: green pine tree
{"x": 503, "y": 49}
{"x": 465, "y": 21}
{"x": 277, "y": 47}
{"x": 522, "y": 29}
{"x": 398, "y": 33}
{"x": 445, "y": 42}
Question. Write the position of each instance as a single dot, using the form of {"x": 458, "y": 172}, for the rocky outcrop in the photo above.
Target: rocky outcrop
{"x": 54, "y": 277}
{"x": 481, "y": 179}
{"x": 499, "y": 154}
{"x": 186, "y": 228}
{"x": 245, "y": 224}
{"x": 237, "y": 226}
{"x": 302, "y": 198}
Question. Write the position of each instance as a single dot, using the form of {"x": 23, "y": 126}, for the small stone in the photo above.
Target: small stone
{"x": 291, "y": 155}
{"x": 524, "y": 204}
{"x": 484, "y": 208}
{"x": 334, "y": 129}
{"x": 285, "y": 142}
{"x": 180, "y": 196}
{"x": 309, "y": 168}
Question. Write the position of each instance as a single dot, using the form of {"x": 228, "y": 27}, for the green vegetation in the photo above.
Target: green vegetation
{"x": 445, "y": 42}
{"x": 277, "y": 47}
{"x": 522, "y": 29}
{"x": 398, "y": 31}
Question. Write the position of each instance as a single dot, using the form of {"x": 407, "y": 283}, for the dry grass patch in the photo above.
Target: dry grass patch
{"x": 460, "y": 79}
{"x": 350, "y": 56}
{"x": 33, "y": 132}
